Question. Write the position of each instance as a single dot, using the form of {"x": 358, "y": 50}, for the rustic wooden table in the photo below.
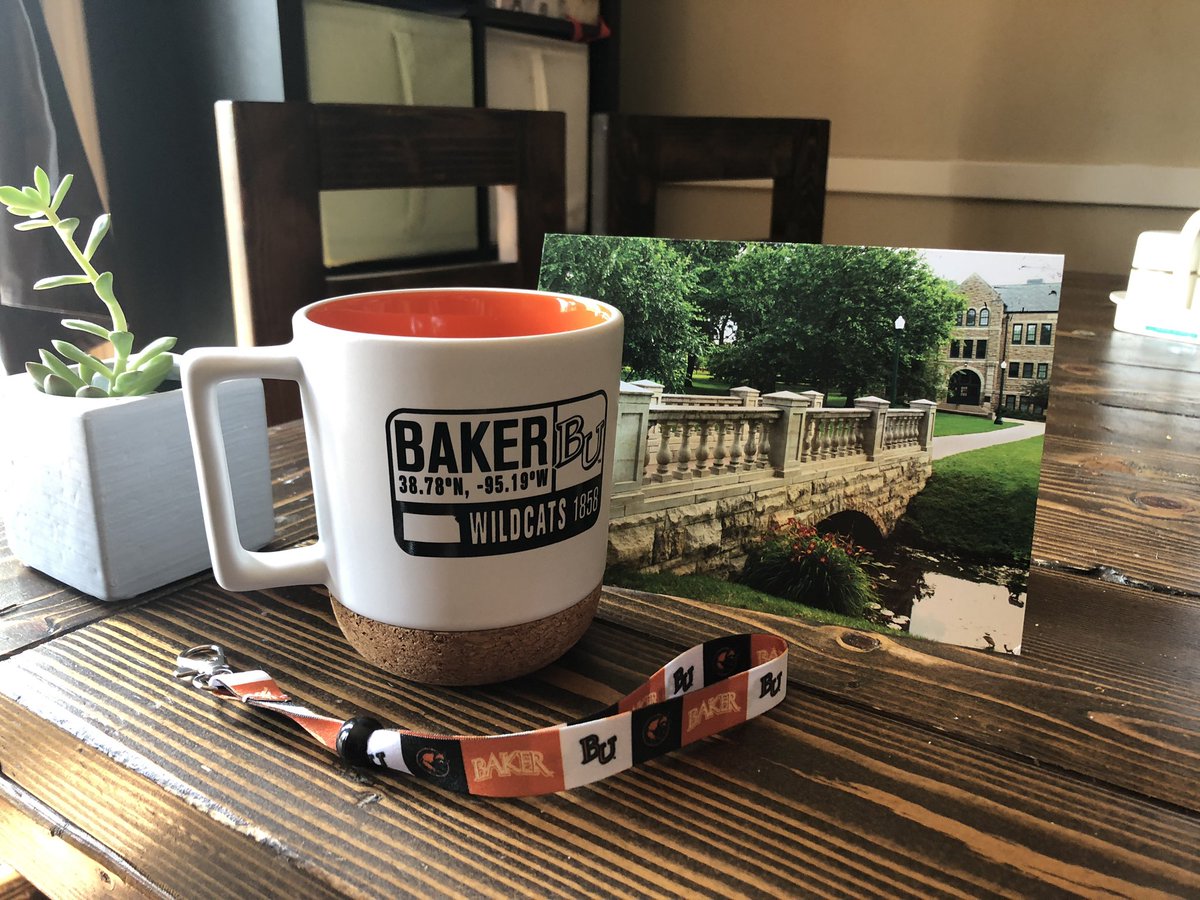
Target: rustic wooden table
{"x": 894, "y": 767}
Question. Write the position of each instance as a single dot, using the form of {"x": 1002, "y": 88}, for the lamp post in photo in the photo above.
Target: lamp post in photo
{"x": 899, "y": 323}
{"x": 999, "y": 420}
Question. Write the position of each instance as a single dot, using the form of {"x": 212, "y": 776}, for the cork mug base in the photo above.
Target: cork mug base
{"x": 460, "y": 658}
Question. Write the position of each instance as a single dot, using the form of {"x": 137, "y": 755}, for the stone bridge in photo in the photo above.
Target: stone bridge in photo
{"x": 697, "y": 476}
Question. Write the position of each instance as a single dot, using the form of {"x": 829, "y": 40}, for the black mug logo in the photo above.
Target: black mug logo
{"x": 484, "y": 482}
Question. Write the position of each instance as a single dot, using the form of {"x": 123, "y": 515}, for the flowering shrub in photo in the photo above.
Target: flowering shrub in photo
{"x": 796, "y": 562}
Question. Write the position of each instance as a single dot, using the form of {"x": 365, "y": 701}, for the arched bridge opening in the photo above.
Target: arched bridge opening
{"x": 857, "y": 526}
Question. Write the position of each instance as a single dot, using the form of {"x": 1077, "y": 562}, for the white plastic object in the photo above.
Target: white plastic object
{"x": 1163, "y": 300}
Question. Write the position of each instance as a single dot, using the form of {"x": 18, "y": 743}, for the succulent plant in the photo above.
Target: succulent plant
{"x": 73, "y": 372}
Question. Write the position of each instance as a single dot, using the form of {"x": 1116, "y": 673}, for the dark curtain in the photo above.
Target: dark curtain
{"x": 38, "y": 129}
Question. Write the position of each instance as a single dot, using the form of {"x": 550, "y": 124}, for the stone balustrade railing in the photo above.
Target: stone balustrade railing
{"x": 902, "y": 428}
{"x": 706, "y": 441}
{"x": 676, "y": 439}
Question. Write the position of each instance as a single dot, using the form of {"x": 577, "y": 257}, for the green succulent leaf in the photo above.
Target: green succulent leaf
{"x": 37, "y": 372}
{"x": 132, "y": 384}
{"x": 99, "y": 230}
{"x": 33, "y": 197}
{"x": 21, "y": 210}
{"x": 101, "y": 382}
{"x": 42, "y": 182}
{"x": 67, "y": 226}
{"x": 59, "y": 387}
{"x": 104, "y": 287}
{"x": 11, "y": 196}
{"x": 90, "y": 327}
{"x": 61, "y": 193}
{"x": 44, "y": 284}
{"x": 122, "y": 342}
{"x": 91, "y": 392}
{"x": 158, "y": 368}
{"x": 31, "y": 225}
{"x": 88, "y": 365}
{"x": 152, "y": 350}
{"x": 59, "y": 368}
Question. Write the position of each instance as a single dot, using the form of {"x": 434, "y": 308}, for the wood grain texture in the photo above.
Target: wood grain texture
{"x": 633, "y": 155}
{"x": 1076, "y": 708}
{"x": 820, "y": 796}
{"x": 66, "y": 862}
{"x": 276, "y": 158}
{"x": 1120, "y": 485}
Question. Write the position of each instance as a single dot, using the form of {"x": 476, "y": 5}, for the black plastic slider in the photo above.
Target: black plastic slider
{"x": 352, "y": 739}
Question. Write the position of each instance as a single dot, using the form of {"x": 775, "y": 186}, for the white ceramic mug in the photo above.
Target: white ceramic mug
{"x": 461, "y": 448}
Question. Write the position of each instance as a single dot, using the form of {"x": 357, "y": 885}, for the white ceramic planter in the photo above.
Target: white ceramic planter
{"x": 102, "y": 494}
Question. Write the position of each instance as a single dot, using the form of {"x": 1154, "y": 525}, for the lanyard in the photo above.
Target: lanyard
{"x": 704, "y": 690}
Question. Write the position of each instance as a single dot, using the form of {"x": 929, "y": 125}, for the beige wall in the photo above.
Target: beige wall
{"x": 1072, "y": 83}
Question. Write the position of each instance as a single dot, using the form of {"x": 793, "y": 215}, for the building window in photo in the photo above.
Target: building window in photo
{"x": 954, "y": 349}
{"x": 1030, "y": 333}
{"x": 1027, "y": 370}
{"x": 984, "y": 316}
{"x": 981, "y": 349}
{"x": 968, "y": 349}
{"x": 1016, "y": 338}
{"x": 1014, "y": 369}
{"x": 1043, "y": 370}
{"x": 1047, "y": 328}
{"x": 970, "y": 317}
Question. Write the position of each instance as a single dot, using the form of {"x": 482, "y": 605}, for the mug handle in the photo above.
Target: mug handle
{"x": 236, "y": 568}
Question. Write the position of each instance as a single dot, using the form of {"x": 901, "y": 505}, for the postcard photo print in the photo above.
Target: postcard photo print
{"x": 844, "y": 434}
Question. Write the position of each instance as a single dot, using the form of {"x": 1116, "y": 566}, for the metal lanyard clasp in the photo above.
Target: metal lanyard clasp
{"x": 200, "y": 664}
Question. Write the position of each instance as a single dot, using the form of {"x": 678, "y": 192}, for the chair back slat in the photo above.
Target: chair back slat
{"x": 276, "y": 158}
{"x": 633, "y": 155}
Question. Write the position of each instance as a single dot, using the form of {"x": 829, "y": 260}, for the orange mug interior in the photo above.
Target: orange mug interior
{"x": 459, "y": 313}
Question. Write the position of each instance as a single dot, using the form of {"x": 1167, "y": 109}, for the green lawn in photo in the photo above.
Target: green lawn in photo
{"x": 711, "y": 589}
{"x": 979, "y": 504}
{"x": 948, "y": 423}
{"x": 705, "y": 383}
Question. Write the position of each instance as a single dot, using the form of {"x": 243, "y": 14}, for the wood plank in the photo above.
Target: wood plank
{"x": 818, "y": 796}
{"x": 633, "y": 155}
{"x": 1120, "y": 485}
{"x": 374, "y": 146}
{"x": 1101, "y": 703}
{"x": 66, "y": 862}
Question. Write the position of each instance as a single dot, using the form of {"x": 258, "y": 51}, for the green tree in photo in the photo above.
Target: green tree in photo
{"x": 1038, "y": 394}
{"x": 824, "y": 315}
{"x": 651, "y": 282}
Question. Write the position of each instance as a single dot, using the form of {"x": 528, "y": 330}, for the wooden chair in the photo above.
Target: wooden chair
{"x": 633, "y": 155}
{"x": 276, "y": 157}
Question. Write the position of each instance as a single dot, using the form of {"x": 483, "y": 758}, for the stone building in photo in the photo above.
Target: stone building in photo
{"x": 1002, "y": 345}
